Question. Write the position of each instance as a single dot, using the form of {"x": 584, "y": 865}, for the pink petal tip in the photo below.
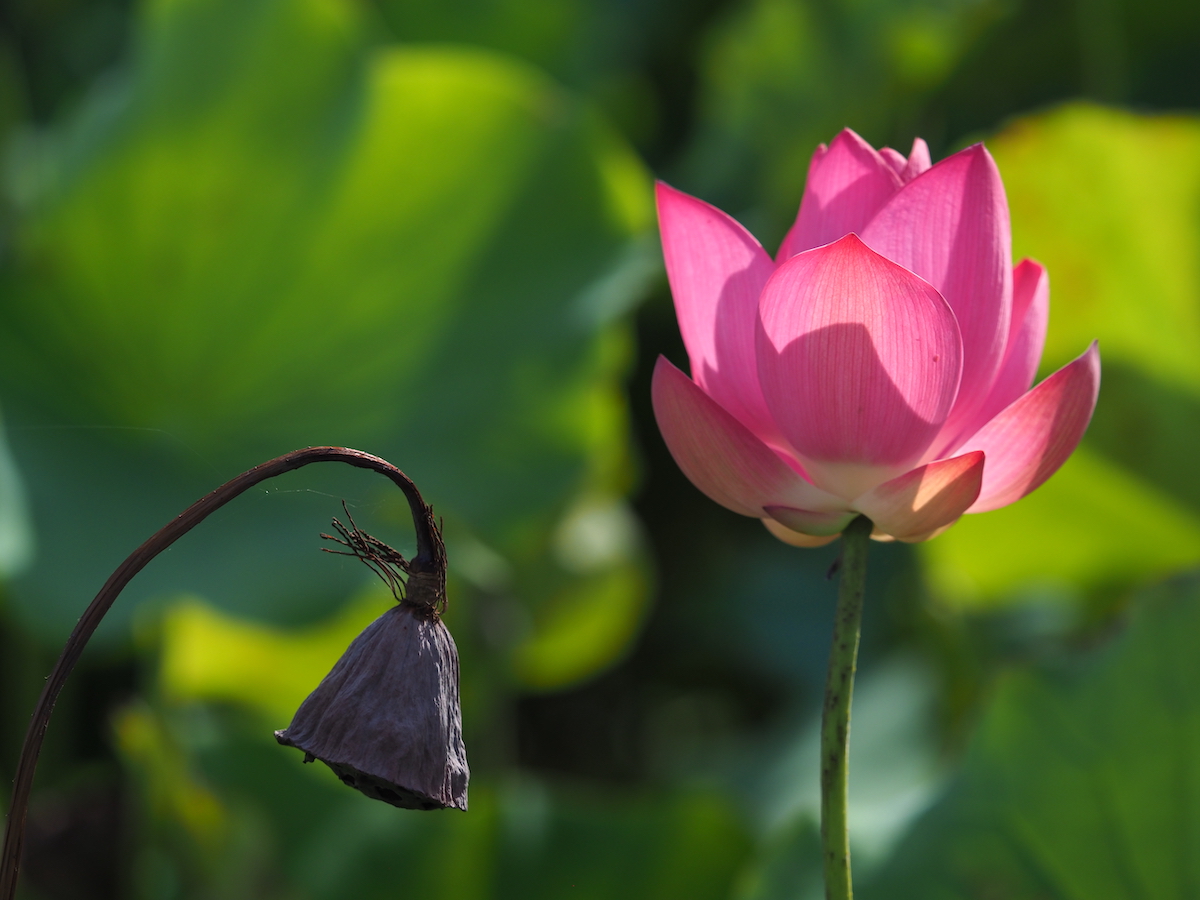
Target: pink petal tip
{"x": 1028, "y": 441}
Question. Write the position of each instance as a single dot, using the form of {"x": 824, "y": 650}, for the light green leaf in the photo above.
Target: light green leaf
{"x": 583, "y": 630}
{"x": 209, "y": 655}
{"x": 1082, "y": 781}
{"x": 1093, "y": 527}
{"x": 1106, "y": 200}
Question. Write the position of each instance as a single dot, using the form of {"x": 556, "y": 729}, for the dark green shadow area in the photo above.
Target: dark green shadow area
{"x": 1082, "y": 780}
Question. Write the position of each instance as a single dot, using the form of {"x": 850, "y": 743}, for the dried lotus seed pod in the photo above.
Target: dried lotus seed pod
{"x": 386, "y": 719}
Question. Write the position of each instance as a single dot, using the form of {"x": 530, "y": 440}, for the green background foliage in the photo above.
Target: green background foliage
{"x": 230, "y": 229}
{"x": 1123, "y": 272}
{"x": 1081, "y": 780}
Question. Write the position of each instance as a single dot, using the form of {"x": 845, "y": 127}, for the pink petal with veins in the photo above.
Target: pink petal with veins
{"x": 722, "y": 457}
{"x": 859, "y": 362}
{"x": 847, "y": 184}
{"x": 717, "y": 270}
{"x": 925, "y": 499}
{"x": 1027, "y": 442}
{"x": 1026, "y": 339}
{"x": 950, "y": 226}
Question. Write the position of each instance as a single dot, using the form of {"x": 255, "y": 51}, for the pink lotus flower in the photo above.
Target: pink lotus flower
{"x": 881, "y": 364}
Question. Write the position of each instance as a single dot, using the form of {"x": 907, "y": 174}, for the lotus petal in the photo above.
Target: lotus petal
{"x": 847, "y": 184}
{"x": 917, "y": 539}
{"x": 918, "y": 161}
{"x": 950, "y": 226}
{"x": 721, "y": 456}
{"x": 809, "y": 522}
{"x": 797, "y": 538}
{"x": 895, "y": 159}
{"x": 1026, "y": 339}
{"x": 924, "y": 499}
{"x": 717, "y": 270}
{"x": 1027, "y": 442}
{"x": 859, "y": 362}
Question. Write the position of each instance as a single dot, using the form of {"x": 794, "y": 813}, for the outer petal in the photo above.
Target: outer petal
{"x": 1026, "y": 339}
{"x": 925, "y": 499}
{"x": 859, "y": 362}
{"x": 847, "y": 184}
{"x": 721, "y": 456}
{"x": 812, "y": 523}
{"x": 950, "y": 226}
{"x": 716, "y": 269}
{"x": 1030, "y": 439}
{"x": 918, "y": 161}
{"x": 797, "y": 538}
{"x": 880, "y": 536}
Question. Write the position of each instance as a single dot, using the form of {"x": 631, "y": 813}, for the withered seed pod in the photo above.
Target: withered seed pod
{"x": 386, "y": 719}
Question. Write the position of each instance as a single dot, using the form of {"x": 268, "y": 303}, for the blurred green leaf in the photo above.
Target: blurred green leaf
{"x": 171, "y": 791}
{"x": 583, "y": 631}
{"x": 592, "y": 621}
{"x": 1107, "y": 201}
{"x": 551, "y": 33}
{"x": 270, "y": 232}
{"x": 1093, "y": 527}
{"x": 209, "y": 655}
{"x": 1082, "y": 780}
{"x": 607, "y": 51}
{"x": 16, "y": 535}
{"x": 787, "y": 865}
{"x": 897, "y": 773}
{"x": 782, "y": 76}
{"x": 522, "y": 839}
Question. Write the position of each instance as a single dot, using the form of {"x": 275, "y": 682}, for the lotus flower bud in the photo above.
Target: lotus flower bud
{"x": 386, "y": 719}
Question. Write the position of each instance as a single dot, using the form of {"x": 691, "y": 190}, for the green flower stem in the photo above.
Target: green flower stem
{"x": 835, "y": 717}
